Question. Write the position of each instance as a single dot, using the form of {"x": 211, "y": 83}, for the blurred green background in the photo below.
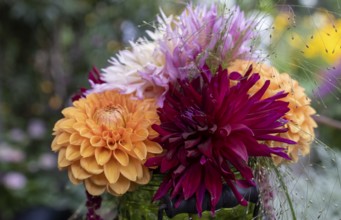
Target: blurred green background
{"x": 47, "y": 47}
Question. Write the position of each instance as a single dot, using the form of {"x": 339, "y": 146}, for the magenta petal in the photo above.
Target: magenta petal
{"x": 191, "y": 181}
{"x": 213, "y": 184}
{"x": 235, "y": 76}
{"x": 206, "y": 148}
{"x": 200, "y": 193}
{"x": 163, "y": 189}
{"x": 154, "y": 161}
{"x": 166, "y": 165}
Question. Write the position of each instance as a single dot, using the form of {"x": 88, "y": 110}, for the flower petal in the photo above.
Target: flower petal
{"x": 62, "y": 161}
{"x": 86, "y": 150}
{"x": 78, "y": 172}
{"x": 90, "y": 165}
{"x": 111, "y": 171}
{"x": 72, "y": 152}
{"x": 121, "y": 186}
{"x": 94, "y": 189}
{"x": 122, "y": 157}
{"x": 140, "y": 149}
{"x": 129, "y": 171}
{"x": 153, "y": 147}
{"x": 102, "y": 155}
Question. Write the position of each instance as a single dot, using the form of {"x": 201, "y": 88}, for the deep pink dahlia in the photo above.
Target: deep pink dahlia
{"x": 210, "y": 129}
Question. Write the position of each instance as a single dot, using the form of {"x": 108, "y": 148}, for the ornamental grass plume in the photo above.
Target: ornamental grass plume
{"x": 210, "y": 135}
{"x": 300, "y": 122}
{"x": 103, "y": 141}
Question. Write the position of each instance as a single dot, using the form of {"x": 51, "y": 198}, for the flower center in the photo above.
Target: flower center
{"x": 110, "y": 116}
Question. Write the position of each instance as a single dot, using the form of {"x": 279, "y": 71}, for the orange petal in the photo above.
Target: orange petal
{"x": 139, "y": 170}
{"x": 86, "y": 150}
{"x": 140, "y": 150}
{"x": 126, "y": 145}
{"x": 62, "y": 161}
{"x": 153, "y": 147}
{"x": 72, "y": 152}
{"x": 140, "y": 134}
{"x": 54, "y": 146}
{"x": 93, "y": 189}
{"x": 63, "y": 138}
{"x": 111, "y": 171}
{"x": 72, "y": 178}
{"x": 122, "y": 157}
{"x": 78, "y": 126}
{"x": 69, "y": 111}
{"x": 97, "y": 141}
{"x": 76, "y": 139}
{"x": 78, "y": 172}
{"x": 90, "y": 165}
{"x": 100, "y": 179}
{"x": 102, "y": 155}
{"x": 121, "y": 186}
{"x": 66, "y": 124}
{"x": 94, "y": 127}
{"x": 85, "y": 132}
{"x": 129, "y": 171}
{"x": 145, "y": 178}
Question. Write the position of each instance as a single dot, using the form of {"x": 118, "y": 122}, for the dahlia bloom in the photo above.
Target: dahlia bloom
{"x": 200, "y": 35}
{"x": 103, "y": 141}
{"x": 211, "y": 134}
{"x": 300, "y": 122}
{"x": 178, "y": 46}
{"x": 123, "y": 73}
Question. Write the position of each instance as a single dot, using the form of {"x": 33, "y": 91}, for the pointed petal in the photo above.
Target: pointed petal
{"x": 78, "y": 172}
{"x": 54, "y": 146}
{"x": 140, "y": 135}
{"x": 86, "y": 150}
{"x": 94, "y": 189}
{"x": 76, "y": 139}
{"x": 67, "y": 124}
{"x": 72, "y": 179}
{"x": 102, "y": 155}
{"x": 191, "y": 181}
{"x": 97, "y": 141}
{"x": 140, "y": 149}
{"x": 63, "y": 138}
{"x": 62, "y": 161}
{"x": 100, "y": 179}
{"x": 129, "y": 171}
{"x": 121, "y": 186}
{"x": 145, "y": 177}
{"x": 72, "y": 153}
{"x": 111, "y": 171}
{"x": 90, "y": 165}
{"x": 153, "y": 147}
{"x": 213, "y": 184}
{"x": 122, "y": 157}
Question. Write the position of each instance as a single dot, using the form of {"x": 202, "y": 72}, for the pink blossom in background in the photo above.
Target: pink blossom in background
{"x": 14, "y": 180}
{"x": 8, "y": 154}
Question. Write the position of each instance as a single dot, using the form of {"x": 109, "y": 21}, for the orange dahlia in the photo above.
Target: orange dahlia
{"x": 301, "y": 124}
{"x": 104, "y": 140}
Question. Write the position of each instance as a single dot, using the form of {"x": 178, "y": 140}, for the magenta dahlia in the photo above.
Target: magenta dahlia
{"x": 209, "y": 130}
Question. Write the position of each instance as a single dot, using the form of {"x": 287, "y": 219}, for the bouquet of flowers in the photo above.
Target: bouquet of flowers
{"x": 194, "y": 105}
